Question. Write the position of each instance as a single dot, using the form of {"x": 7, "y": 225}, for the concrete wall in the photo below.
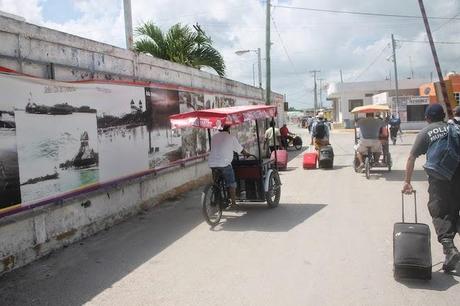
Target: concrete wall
{"x": 46, "y": 53}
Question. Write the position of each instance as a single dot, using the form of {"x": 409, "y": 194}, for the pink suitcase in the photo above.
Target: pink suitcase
{"x": 310, "y": 160}
{"x": 282, "y": 159}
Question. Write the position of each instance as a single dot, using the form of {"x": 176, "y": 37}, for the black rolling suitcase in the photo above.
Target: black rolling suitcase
{"x": 326, "y": 157}
{"x": 411, "y": 248}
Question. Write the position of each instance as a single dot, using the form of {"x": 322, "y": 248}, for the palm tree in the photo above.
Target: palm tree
{"x": 180, "y": 44}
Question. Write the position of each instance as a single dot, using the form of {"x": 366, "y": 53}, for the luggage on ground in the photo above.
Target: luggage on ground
{"x": 282, "y": 159}
{"x": 326, "y": 157}
{"x": 309, "y": 160}
{"x": 411, "y": 248}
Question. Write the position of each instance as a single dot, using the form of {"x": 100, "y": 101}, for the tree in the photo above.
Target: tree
{"x": 180, "y": 44}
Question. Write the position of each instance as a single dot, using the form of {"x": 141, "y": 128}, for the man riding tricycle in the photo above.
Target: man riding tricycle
{"x": 238, "y": 179}
{"x": 371, "y": 138}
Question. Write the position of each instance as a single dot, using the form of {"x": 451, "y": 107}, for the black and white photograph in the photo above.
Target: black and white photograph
{"x": 56, "y": 137}
{"x": 10, "y": 193}
{"x": 164, "y": 144}
{"x": 54, "y": 160}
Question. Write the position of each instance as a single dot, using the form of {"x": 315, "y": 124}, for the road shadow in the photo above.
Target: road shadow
{"x": 293, "y": 153}
{"x": 440, "y": 281}
{"x": 258, "y": 217}
{"x": 76, "y": 274}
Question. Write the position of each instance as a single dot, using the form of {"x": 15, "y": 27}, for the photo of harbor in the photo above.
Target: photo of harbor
{"x": 10, "y": 193}
{"x": 54, "y": 160}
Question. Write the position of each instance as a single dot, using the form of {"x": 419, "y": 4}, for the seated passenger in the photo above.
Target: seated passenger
{"x": 369, "y": 137}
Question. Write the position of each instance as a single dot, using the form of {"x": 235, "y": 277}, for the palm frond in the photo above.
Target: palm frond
{"x": 181, "y": 44}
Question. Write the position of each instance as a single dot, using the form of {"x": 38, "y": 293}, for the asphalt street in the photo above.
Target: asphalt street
{"x": 329, "y": 242}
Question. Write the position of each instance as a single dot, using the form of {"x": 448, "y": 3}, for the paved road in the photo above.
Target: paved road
{"x": 328, "y": 243}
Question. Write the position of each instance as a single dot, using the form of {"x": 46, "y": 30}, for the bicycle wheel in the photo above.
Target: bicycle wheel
{"x": 272, "y": 196}
{"x": 367, "y": 164}
{"x": 211, "y": 204}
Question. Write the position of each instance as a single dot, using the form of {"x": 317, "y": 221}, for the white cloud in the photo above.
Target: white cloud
{"x": 325, "y": 41}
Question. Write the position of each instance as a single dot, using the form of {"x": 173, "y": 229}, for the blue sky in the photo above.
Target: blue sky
{"x": 302, "y": 40}
{"x": 60, "y": 11}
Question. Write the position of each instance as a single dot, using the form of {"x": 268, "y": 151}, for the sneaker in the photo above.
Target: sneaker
{"x": 452, "y": 255}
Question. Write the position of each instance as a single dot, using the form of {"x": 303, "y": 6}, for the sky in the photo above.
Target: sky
{"x": 302, "y": 40}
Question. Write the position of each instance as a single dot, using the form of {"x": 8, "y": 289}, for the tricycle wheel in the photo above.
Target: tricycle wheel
{"x": 211, "y": 204}
{"x": 272, "y": 196}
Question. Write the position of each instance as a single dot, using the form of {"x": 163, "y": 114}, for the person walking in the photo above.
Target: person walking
{"x": 439, "y": 140}
{"x": 269, "y": 140}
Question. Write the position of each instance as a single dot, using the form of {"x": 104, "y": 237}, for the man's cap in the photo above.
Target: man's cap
{"x": 434, "y": 111}
{"x": 457, "y": 111}
{"x": 320, "y": 115}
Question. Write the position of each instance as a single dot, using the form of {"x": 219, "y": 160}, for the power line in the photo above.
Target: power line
{"x": 284, "y": 48}
{"x": 427, "y": 42}
{"x": 372, "y": 63}
{"x": 448, "y": 21}
{"x": 361, "y": 13}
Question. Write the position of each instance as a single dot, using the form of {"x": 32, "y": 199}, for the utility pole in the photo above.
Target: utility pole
{"x": 341, "y": 76}
{"x": 128, "y": 24}
{"x": 436, "y": 61}
{"x": 393, "y": 44}
{"x": 315, "y": 90}
{"x": 267, "y": 50}
{"x": 253, "y": 75}
{"x": 411, "y": 68}
{"x": 259, "y": 61}
{"x": 320, "y": 92}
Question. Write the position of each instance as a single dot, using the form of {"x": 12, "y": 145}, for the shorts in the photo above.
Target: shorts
{"x": 229, "y": 175}
{"x": 375, "y": 144}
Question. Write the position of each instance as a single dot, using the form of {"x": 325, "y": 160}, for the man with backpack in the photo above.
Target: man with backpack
{"x": 440, "y": 142}
{"x": 320, "y": 132}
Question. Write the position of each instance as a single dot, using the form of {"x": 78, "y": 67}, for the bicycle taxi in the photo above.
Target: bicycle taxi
{"x": 257, "y": 177}
{"x": 385, "y": 160}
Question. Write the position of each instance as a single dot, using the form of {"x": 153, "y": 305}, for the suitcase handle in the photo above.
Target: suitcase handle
{"x": 415, "y": 205}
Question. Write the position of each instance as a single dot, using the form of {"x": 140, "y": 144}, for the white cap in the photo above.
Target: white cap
{"x": 320, "y": 115}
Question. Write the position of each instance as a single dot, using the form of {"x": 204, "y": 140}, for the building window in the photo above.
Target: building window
{"x": 416, "y": 112}
{"x": 457, "y": 97}
{"x": 368, "y": 95}
{"x": 354, "y": 103}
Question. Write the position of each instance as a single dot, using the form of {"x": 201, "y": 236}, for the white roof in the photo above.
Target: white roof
{"x": 336, "y": 89}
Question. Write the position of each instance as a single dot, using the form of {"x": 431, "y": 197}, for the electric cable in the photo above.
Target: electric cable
{"x": 372, "y": 63}
{"x": 361, "y": 13}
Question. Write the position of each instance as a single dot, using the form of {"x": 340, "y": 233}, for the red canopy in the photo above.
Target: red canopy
{"x": 217, "y": 117}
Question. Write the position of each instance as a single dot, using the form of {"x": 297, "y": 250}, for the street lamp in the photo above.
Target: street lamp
{"x": 259, "y": 61}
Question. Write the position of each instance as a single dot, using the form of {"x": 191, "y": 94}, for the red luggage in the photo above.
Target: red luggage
{"x": 309, "y": 160}
{"x": 282, "y": 159}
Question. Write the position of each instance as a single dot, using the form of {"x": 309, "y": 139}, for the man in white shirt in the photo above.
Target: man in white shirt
{"x": 223, "y": 144}
{"x": 269, "y": 139}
